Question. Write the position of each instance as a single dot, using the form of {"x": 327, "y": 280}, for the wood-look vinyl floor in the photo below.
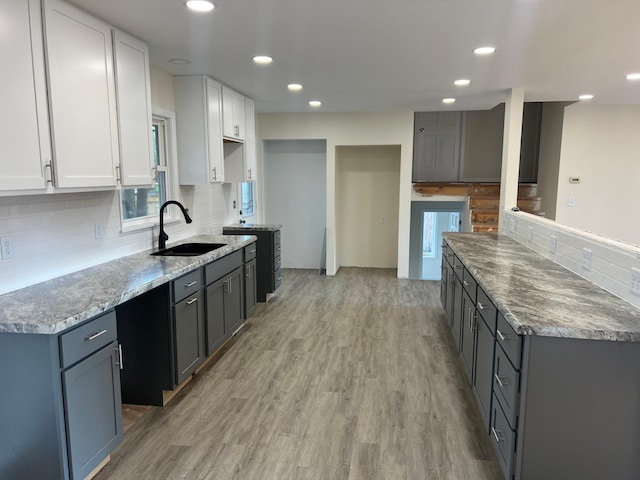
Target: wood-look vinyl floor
{"x": 346, "y": 377}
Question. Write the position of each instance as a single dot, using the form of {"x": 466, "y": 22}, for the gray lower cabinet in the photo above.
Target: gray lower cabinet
{"x": 188, "y": 324}
{"x": 468, "y": 337}
{"x": 483, "y": 367}
{"x": 224, "y": 309}
{"x": 456, "y": 306}
{"x": 66, "y": 417}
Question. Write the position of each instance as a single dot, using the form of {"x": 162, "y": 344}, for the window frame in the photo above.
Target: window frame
{"x": 167, "y": 120}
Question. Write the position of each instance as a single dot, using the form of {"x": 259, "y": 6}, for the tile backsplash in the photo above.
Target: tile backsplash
{"x": 611, "y": 262}
{"x": 54, "y": 234}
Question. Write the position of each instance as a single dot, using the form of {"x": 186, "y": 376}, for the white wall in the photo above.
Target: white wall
{"x": 54, "y": 234}
{"x": 367, "y": 206}
{"x": 295, "y": 196}
{"x": 373, "y": 128}
{"x": 601, "y": 145}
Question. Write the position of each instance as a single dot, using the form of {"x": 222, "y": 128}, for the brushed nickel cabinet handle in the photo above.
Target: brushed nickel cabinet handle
{"x": 497, "y": 434}
{"x": 191, "y": 284}
{"x": 96, "y": 335}
{"x": 500, "y": 381}
{"x": 120, "y": 360}
{"x": 480, "y": 306}
{"x": 501, "y": 336}
{"x": 192, "y": 301}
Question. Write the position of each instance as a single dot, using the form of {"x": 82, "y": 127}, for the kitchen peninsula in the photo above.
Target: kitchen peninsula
{"x": 552, "y": 360}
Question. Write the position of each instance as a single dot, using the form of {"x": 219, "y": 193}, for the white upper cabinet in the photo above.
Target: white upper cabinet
{"x": 133, "y": 92}
{"x": 250, "y": 159}
{"x": 198, "y": 105}
{"x": 233, "y": 114}
{"x": 24, "y": 124}
{"x": 82, "y": 97}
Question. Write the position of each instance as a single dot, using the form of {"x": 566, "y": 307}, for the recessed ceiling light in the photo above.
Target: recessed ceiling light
{"x": 200, "y": 5}
{"x": 294, "y": 87}
{"x": 463, "y": 82}
{"x": 484, "y": 50}
{"x": 448, "y": 100}
{"x": 179, "y": 61}
{"x": 262, "y": 59}
{"x": 315, "y": 103}
{"x": 633, "y": 76}
{"x": 586, "y": 96}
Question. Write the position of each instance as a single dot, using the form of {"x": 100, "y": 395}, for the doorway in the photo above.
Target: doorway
{"x": 428, "y": 221}
{"x": 295, "y": 196}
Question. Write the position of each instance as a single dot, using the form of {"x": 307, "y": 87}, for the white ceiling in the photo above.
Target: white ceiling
{"x": 364, "y": 55}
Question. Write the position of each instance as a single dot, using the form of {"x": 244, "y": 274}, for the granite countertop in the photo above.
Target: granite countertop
{"x": 58, "y": 304}
{"x": 539, "y": 297}
{"x": 253, "y": 226}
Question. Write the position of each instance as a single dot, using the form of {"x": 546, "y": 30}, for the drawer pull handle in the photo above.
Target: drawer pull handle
{"x": 192, "y": 301}
{"x": 501, "y": 336}
{"x": 465, "y": 283}
{"x": 497, "y": 434}
{"x": 457, "y": 267}
{"x": 480, "y": 306}
{"x": 120, "y": 360}
{"x": 191, "y": 284}
{"x": 96, "y": 335}
{"x": 500, "y": 381}
{"x": 252, "y": 251}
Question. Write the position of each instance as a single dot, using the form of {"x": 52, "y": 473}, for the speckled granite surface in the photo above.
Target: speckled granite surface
{"x": 539, "y": 297}
{"x": 55, "y": 305}
{"x": 253, "y": 226}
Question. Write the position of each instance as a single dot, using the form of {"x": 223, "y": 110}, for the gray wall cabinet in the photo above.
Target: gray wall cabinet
{"x": 555, "y": 407}
{"x": 66, "y": 416}
{"x": 436, "y": 146}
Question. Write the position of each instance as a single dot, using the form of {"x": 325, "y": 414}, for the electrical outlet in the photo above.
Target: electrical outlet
{"x": 571, "y": 202}
{"x": 586, "y": 258}
{"x": 553, "y": 242}
{"x": 530, "y": 234}
{"x": 99, "y": 229}
{"x": 7, "y": 247}
{"x": 635, "y": 281}
{"x": 383, "y": 220}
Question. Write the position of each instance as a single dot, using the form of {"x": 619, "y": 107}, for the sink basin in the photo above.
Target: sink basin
{"x": 189, "y": 249}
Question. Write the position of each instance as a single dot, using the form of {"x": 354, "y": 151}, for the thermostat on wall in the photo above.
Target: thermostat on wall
{"x": 574, "y": 179}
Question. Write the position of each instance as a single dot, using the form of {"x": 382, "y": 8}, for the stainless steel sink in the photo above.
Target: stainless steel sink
{"x": 189, "y": 249}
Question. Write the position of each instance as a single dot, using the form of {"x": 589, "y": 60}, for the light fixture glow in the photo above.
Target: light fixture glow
{"x": 179, "y": 61}
{"x": 200, "y": 5}
{"x": 315, "y": 103}
{"x": 262, "y": 59}
{"x": 484, "y": 50}
{"x": 586, "y": 96}
{"x": 633, "y": 76}
{"x": 448, "y": 100}
{"x": 463, "y": 82}
{"x": 294, "y": 87}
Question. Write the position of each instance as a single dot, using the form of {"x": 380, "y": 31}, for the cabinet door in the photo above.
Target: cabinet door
{"x": 189, "y": 336}
{"x": 214, "y": 132}
{"x": 228, "y": 120}
{"x": 81, "y": 97}
{"x": 24, "y": 123}
{"x": 250, "y": 158}
{"x": 250, "y": 288}
{"x": 468, "y": 338}
{"x": 134, "y": 109}
{"x": 436, "y": 146}
{"x": 93, "y": 410}
{"x": 239, "y": 115}
{"x": 483, "y": 377}
{"x": 458, "y": 295}
{"x": 215, "y": 315}
{"x": 233, "y": 301}
{"x": 451, "y": 282}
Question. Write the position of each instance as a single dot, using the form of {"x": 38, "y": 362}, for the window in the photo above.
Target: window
{"x": 140, "y": 206}
{"x": 429, "y": 227}
{"x": 246, "y": 199}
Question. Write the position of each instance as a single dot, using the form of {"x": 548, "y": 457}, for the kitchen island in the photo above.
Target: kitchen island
{"x": 62, "y": 354}
{"x": 552, "y": 360}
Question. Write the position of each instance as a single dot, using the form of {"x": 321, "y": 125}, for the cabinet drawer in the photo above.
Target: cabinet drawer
{"x": 249, "y": 252}
{"x": 276, "y": 249}
{"x": 223, "y": 266}
{"x": 487, "y": 310}
{"x": 503, "y": 438}
{"x": 186, "y": 285}
{"x": 276, "y": 237}
{"x": 506, "y": 383}
{"x": 277, "y": 262}
{"x": 509, "y": 340}
{"x": 448, "y": 254}
{"x": 469, "y": 284}
{"x": 87, "y": 338}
